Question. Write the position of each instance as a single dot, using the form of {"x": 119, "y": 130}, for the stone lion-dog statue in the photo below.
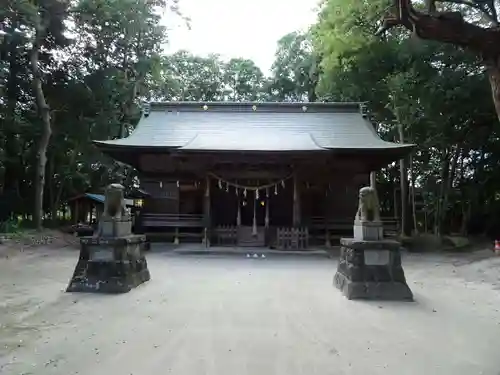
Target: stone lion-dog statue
{"x": 114, "y": 202}
{"x": 368, "y": 206}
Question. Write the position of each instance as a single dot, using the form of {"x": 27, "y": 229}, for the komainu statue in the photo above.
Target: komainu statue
{"x": 113, "y": 261}
{"x": 114, "y": 202}
{"x": 368, "y": 207}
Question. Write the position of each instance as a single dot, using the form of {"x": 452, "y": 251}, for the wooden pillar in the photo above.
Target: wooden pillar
{"x": 176, "y": 238}
{"x": 373, "y": 180}
{"x": 296, "y": 201}
{"x": 238, "y": 214}
{"x": 206, "y": 212}
{"x": 266, "y": 220}
{"x": 326, "y": 215}
{"x": 254, "y": 221}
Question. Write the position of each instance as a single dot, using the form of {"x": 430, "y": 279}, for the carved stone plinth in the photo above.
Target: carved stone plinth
{"x": 368, "y": 230}
{"x": 110, "y": 265}
{"x": 112, "y": 227}
{"x": 371, "y": 270}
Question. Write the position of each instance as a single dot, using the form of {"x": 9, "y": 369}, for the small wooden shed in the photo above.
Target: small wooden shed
{"x": 87, "y": 207}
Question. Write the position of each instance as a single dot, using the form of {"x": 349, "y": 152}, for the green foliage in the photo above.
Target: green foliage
{"x": 10, "y": 226}
{"x": 244, "y": 80}
{"x": 437, "y": 93}
{"x": 94, "y": 83}
{"x": 295, "y": 69}
{"x": 345, "y": 26}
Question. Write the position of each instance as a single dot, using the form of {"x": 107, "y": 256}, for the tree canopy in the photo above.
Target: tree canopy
{"x": 75, "y": 71}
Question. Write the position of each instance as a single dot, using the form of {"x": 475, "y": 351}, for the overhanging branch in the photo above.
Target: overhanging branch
{"x": 491, "y": 14}
{"x": 448, "y": 27}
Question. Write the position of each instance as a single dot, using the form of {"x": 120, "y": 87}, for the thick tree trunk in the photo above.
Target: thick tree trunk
{"x": 51, "y": 171}
{"x": 493, "y": 67}
{"x": 44, "y": 112}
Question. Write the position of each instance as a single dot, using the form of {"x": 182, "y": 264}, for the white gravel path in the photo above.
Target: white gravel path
{"x": 232, "y": 315}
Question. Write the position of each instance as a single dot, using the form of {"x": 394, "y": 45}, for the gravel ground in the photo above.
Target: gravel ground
{"x": 227, "y": 314}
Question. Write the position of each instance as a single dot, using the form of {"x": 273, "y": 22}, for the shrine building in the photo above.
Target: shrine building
{"x": 282, "y": 175}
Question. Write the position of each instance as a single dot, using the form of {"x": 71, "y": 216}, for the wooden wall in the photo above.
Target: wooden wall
{"x": 164, "y": 196}
{"x": 337, "y": 200}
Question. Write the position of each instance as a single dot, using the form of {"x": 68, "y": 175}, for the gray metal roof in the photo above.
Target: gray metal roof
{"x": 253, "y": 127}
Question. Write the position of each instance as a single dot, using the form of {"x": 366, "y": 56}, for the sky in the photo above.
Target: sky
{"x": 238, "y": 28}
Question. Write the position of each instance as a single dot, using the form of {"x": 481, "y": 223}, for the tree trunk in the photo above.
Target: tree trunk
{"x": 51, "y": 171}
{"x": 466, "y": 212}
{"x": 403, "y": 178}
{"x": 44, "y": 112}
{"x": 493, "y": 67}
{"x": 438, "y": 211}
{"x": 373, "y": 180}
{"x": 373, "y": 174}
{"x": 444, "y": 226}
{"x": 464, "y": 202}
{"x": 413, "y": 204}
{"x": 57, "y": 202}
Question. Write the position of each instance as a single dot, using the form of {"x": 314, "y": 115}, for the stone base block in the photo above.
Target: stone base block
{"x": 110, "y": 265}
{"x": 371, "y": 270}
{"x": 115, "y": 228}
{"x": 387, "y": 291}
{"x": 368, "y": 230}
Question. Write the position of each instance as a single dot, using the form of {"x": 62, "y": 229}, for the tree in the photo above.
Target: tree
{"x": 189, "y": 77}
{"x": 93, "y": 83}
{"x": 434, "y": 95}
{"x": 243, "y": 80}
{"x": 294, "y": 73}
{"x": 122, "y": 41}
{"x": 475, "y": 28}
{"x": 43, "y": 23}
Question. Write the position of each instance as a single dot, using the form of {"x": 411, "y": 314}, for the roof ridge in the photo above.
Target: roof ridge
{"x": 252, "y": 106}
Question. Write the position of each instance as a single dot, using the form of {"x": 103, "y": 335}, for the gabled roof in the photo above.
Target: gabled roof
{"x": 222, "y": 126}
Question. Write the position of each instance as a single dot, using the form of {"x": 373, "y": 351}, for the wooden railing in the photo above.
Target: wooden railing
{"x": 226, "y": 235}
{"x": 330, "y": 231}
{"x": 292, "y": 238}
{"x": 172, "y": 220}
{"x": 391, "y": 225}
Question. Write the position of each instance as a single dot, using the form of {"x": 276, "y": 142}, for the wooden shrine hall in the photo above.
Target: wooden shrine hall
{"x": 283, "y": 175}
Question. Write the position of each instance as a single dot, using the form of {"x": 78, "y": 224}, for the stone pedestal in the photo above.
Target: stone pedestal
{"x": 110, "y": 264}
{"x": 371, "y": 269}
{"x": 112, "y": 227}
{"x": 368, "y": 230}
